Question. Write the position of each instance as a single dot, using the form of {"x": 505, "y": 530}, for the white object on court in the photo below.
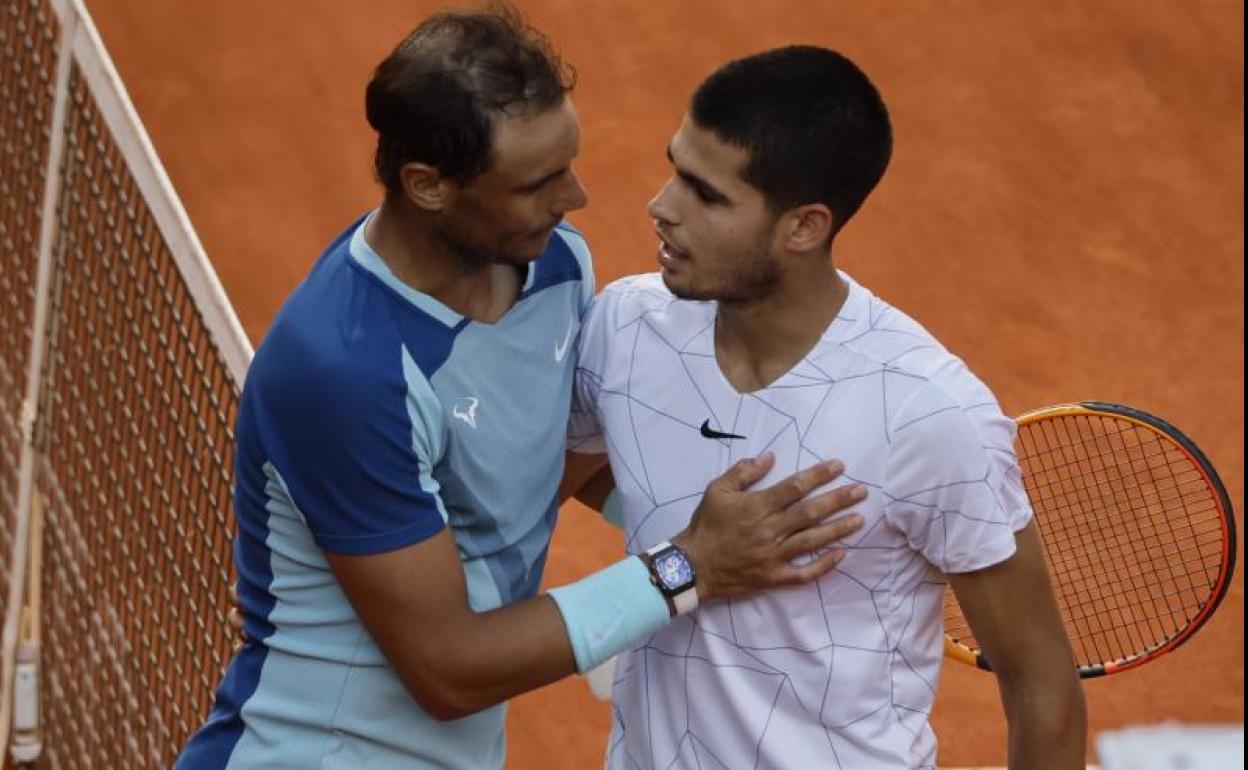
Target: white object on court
{"x": 1171, "y": 745}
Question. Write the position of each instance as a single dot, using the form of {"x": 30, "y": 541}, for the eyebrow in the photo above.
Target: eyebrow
{"x": 704, "y": 188}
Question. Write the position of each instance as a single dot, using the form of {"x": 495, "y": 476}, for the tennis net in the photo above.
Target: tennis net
{"x": 120, "y": 366}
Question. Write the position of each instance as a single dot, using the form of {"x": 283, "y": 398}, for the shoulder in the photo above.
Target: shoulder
{"x": 567, "y": 259}
{"x": 627, "y": 304}
{"x": 944, "y": 427}
{"x": 922, "y": 371}
{"x": 373, "y": 408}
{"x": 631, "y": 297}
{"x": 568, "y": 235}
{"x": 926, "y": 389}
{"x": 637, "y": 315}
{"x": 342, "y": 338}
{"x": 875, "y": 330}
{"x": 335, "y": 357}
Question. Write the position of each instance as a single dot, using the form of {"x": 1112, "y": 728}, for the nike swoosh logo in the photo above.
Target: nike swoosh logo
{"x": 709, "y": 432}
{"x": 561, "y": 348}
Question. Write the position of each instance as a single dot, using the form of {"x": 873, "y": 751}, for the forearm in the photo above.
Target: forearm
{"x": 575, "y": 628}
{"x": 1047, "y": 724}
{"x": 1014, "y": 616}
{"x": 481, "y": 659}
{"x": 455, "y": 661}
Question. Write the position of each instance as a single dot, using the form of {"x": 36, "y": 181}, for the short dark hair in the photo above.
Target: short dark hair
{"x": 435, "y": 98}
{"x": 814, "y": 126}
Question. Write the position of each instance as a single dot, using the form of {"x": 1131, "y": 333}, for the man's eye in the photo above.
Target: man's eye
{"x": 697, "y": 189}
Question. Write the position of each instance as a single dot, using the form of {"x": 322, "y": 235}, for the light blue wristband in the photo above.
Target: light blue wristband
{"x": 610, "y": 611}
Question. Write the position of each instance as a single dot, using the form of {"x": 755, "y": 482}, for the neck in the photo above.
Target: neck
{"x": 410, "y": 246}
{"x": 758, "y": 340}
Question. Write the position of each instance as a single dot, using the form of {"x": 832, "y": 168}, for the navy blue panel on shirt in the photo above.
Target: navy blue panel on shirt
{"x": 557, "y": 265}
{"x": 328, "y": 398}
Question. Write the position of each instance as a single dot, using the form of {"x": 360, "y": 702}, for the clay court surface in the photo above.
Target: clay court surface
{"x": 1064, "y": 211}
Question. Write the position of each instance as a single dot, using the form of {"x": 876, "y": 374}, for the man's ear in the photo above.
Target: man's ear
{"x": 425, "y": 187}
{"x": 808, "y": 227}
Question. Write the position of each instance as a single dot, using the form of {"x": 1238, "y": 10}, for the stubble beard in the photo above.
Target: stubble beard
{"x": 752, "y": 276}
{"x": 472, "y": 257}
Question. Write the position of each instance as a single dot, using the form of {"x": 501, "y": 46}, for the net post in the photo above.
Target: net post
{"x": 43, "y": 285}
{"x": 132, "y": 440}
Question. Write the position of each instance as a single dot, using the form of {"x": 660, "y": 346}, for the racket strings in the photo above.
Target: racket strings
{"x": 1128, "y": 484}
{"x": 1133, "y": 534}
{"x": 1103, "y": 632}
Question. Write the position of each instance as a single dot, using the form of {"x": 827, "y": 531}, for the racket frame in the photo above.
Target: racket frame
{"x": 968, "y": 655}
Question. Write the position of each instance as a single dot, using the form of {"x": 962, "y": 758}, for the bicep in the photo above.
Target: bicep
{"x": 411, "y": 600}
{"x": 1011, "y": 609}
{"x": 1012, "y": 612}
{"x": 453, "y": 661}
{"x": 391, "y": 588}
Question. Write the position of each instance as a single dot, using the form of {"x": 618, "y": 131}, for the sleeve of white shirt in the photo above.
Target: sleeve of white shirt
{"x": 953, "y": 483}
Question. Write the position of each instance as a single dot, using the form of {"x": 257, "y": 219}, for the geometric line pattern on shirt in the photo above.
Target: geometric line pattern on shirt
{"x": 894, "y": 614}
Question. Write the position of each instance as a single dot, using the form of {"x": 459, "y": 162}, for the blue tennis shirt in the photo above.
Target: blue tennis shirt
{"x": 373, "y": 416}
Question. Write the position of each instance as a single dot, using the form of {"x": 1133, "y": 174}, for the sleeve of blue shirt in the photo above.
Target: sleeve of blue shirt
{"x": 344, "y": 428}
{"x": 585, "y": 434}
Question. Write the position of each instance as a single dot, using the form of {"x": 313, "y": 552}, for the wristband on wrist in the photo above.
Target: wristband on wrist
{"x": 610, "y": 611}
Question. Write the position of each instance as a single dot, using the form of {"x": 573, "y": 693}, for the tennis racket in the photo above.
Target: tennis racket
{"x": 1138, "y": 534}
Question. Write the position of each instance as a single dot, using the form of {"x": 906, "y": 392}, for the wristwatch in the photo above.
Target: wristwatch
{"x": 672, "y": 573}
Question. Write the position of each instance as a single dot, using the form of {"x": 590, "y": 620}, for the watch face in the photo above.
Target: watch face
{"x": 673, "y": 569}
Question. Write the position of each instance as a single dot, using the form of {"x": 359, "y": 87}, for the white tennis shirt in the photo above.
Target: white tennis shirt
{"x": 840, "y": 673}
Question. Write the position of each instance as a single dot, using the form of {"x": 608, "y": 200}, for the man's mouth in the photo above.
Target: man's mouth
{"x": 668, "y": 253}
